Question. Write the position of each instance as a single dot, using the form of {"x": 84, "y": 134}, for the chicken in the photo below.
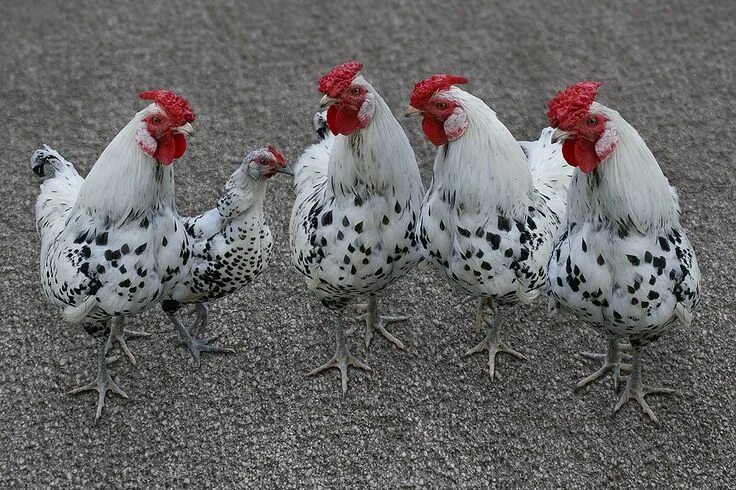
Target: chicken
{"x": 622, "y": 262}
{"x": 112, "y": 244}
{"x": 490, "y": 214}
{"x": 358, "y": 195}
{"x": 231, "y": 245}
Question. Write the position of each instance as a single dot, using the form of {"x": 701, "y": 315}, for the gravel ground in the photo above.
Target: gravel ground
{"x": 426, "y": 417}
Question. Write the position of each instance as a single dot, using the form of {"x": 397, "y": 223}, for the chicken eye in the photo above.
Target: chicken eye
{"x": 592, "y": 121}
{"x": 356, "y": 91}
{"x": 441, "y": 105}
{"x": 156, "y": 120}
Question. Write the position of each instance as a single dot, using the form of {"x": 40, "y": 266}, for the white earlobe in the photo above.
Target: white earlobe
{"x": 145, "y": 141}
{"x": 607, "y": 142}
{"x": 367, "y": 110}
{"x": 456, "y": 124}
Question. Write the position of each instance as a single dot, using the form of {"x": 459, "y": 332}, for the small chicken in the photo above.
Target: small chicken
{"x": 232, "y": 244}
{"x": 112, "y": 244}
{"x": 358, "y": 195}
{"x": 490, "y": 214}
{"x": 622, "y": 262}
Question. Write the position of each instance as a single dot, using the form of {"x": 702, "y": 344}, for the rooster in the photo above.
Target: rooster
{"x": 112, "y": 244}
{"x": 622, "y": 262}
{"x": 490, "y": 214}
{"x": 358, "y": 195}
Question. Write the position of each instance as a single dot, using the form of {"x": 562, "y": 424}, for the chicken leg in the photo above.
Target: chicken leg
{"x": 342, "y": 358}
{"x": 196, "y": 346}
{"x": 377, "y": 323}
{"x": 611, "y": 361}
{"x": 103, "y": 383}
{"x": 201, "y": 311}
{"x": 492, "y": 342}
{"x": 636, "y": 390}
{"x": 119, "y": 334}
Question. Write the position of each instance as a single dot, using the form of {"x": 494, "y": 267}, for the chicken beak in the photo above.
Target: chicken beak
{"x": 185, "y": 129}
{"x": 412, "y": 112}
{"x": 327, "y": 101}
{"x": 286, "y": 169}
{"x": 560, "y": 135}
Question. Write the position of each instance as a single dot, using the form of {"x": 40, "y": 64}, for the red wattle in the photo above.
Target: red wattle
{"x": 434, "y": 130}
{"x": 180, "y": 143}
{"x": 165, "y": 149}
{"x": 342, "y": 120}
{"x": 580, "y": 153}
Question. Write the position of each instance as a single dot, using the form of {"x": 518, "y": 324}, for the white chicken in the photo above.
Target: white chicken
{"x": 358, "y": 195}
{"x": 112, "y": 244}
{"x": 622, "y": 262}
{"x": 490, "y": 214}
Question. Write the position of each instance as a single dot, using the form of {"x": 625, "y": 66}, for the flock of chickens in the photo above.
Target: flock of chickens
{"x": 504, "y": 220}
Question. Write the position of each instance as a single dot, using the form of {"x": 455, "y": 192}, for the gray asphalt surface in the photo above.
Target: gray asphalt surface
{"x": 70, "y": 73}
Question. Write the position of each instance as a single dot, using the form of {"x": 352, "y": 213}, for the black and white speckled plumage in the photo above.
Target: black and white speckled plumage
{"x": 232, "y": 242}
{"x": 628, "y": 271}
{"x": 493, "y": 207}
{"x": 358, "y": 199}
{"x": 109, "y": 246}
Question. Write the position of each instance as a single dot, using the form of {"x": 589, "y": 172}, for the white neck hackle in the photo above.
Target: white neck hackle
{"x": 628, "y": 189}
{"x": 375, "y": 159}
{"x": 125, "y": 181}
{"x": 485, "y": 165}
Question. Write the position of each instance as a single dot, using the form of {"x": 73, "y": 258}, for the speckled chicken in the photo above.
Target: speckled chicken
{"x": 232, "y": 244}
{"x": 112, "y": 244}
{"x": 490, "y": 214}
{"x": 622, "y": 262}
{"x": 358, "y": 195}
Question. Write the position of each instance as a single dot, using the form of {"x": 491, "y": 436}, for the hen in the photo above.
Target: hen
{"x": 358, "y": 195}
{"x": 490, "y": 214}
{"x": 112, "y": 244}
{"x": 622, "y": 262}
{"x": 232, "y": 243}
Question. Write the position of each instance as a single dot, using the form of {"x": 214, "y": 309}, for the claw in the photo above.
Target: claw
{"x": 492, "y": 341}
{"x": 342, "y": 358}
{"x": 120, "y": 335}
{"x": 341, "y": 363}
{"x": 610, "y": 362}
{"x": 638, "y": 394}
{"x": 376, "y": 322}
{"x": 494, "y": 348}
{"x": 197, "y": 346}
{"x": 102, "y": 384}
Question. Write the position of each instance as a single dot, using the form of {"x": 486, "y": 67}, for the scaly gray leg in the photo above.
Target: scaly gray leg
{"x": 636, "y": 390}
{"x": 196, "y": 346}
{"x": 342, "y": 358}
{"x": 377, "y": 323}
{"x": 202, "y": 312}
{"x": 611, "y": 361}
{"x": 119, "y": 334}
{"x": 493, "y": 344}
{"x": 102, "y": 384}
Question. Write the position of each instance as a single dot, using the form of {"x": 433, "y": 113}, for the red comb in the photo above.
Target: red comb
{"x": 566, "y": 108}
{"x": 277, "y": 155}
{"x": 425, "y": 89}
{"x": 175, "y": 106}
{"x": 339, "y": 78}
